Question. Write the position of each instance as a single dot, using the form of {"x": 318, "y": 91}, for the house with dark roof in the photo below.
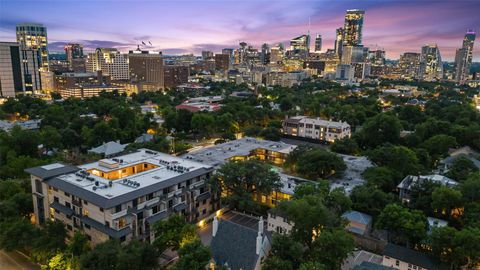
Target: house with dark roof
{"x": 445, "y": 164}
{"x": 403, "y": 258}
{"x": 238, "y": 247}
{"x": 358, "y": 222}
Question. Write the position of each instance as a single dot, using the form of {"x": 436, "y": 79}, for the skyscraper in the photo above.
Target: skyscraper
{"x": 300, "y": 46}
{"x": 409, "y": 65}
{"x": 352, "y": 30}
{"x": 75, "y": 59}
{"x": 463, "y": 57}
{"x": 207, "y": 55}
{"x": 146, "y": 67}
{"x": 339, "y": 42}
{"x": 431, "y": 66}
{"x": 318, "y": 43}
{"x": 32, "y": 36}
{"x": 265, "y": 55}
{"x": 11, "y": 75}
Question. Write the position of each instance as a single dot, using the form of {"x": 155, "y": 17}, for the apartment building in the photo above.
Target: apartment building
{"x": 316, "y": 129}
{"x": 122, "y": 197}
{"x": 274, "y": 153}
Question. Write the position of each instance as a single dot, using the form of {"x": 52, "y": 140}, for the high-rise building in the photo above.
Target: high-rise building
{"x": 463, "y": 57}
{"x": 110, "y": 61}
{"x": 431, "y": 66}
{"x": 222, "y": 61}
{"x": 318, "y": 43}
{"x": 207, "y": 55}
{"x": 301, "y": 43}
{"x": 32, "y": 36}
{"x": 31, "y": 66}
{"x": 352, "y": 30}
{"x": 409, "y": 65}
{"x": 265, "y": 55}
{"x": 146, "y": 67}
{"x": 74, "y": 52}
{"x": 11, "y": 74}
{"x": 354, "y": 54}
{"x": 339, "y": 41}
{"x": 175, "y": 75}
{"x": 276, "y": 54}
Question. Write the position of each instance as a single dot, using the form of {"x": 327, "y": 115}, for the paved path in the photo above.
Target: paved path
{"x": 15, "y": 261}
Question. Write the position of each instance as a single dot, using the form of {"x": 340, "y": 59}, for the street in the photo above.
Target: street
{"x": 15, "y": 261}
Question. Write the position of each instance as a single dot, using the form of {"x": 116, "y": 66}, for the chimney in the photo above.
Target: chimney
{"x": 260, "y": 225}
{"x": 214, "y": 226}
{"x": 259, "y": 243}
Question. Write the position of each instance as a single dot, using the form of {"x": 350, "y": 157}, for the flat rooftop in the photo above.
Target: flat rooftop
{"x": 167, "y": 167}
{"x": 219, "y": 154}
{"x": 109, "y": 182}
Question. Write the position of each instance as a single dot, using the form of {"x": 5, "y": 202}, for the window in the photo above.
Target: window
{"x": 67, "y": 194}
{"x": 204, "y": 202}
{"x": 67, "y": 204}
{"x": 204, "y": 211}
{"x": 118, "y": 208}
{"x": 107, "y": 223}
{"x": 87, "y": 226}
{"x": 55, "y": 199}
{"x": 89, "y": 237}
{"x": 397, "y": 263}
{"x": 122, "y": 239}
{"x": 85, "y": 202}
{"x": 101, "y": 209}
{"x": 38, "y": 186}
{"x": 69, "y": 227}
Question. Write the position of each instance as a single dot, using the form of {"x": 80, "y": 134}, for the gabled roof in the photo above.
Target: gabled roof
{"x": 145, "y": 137}
{"x": 358, "y": 217}
{"x": 235, "y": 245}
{"x": 109, "y": 148}
{"x": 413, "y": 257}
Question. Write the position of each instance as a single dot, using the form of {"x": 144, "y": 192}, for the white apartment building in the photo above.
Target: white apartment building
{"x": 110, "y": 61}
{"x": 122, "y": 197}
{"x": 316, "y": 128}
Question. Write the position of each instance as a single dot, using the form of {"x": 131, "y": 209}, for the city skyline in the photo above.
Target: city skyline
{"x": 395, "y": 26}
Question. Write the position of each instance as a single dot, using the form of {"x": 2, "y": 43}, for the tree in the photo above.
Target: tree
{"x": 380, "y": 177}
{"x": 461, "y": 168}
{"x": 137, "y": 255}
{"x": 438, "y": 145}
{"x": 103, "y": 256}
{"x": 16, "y": 234}
{"x": 441, "y": 240}
{"x": 470, "y": 188}
{"x": 332, "y": 247}
{"x": 50, "y": 138}
{"x": 285, "y": 253}
{"x": 309, "y": 216}
{"x": 319, "y": 163}
{"x": 347, "y": 146}
{"x": 312, "y": 265}
{"x": 397, "y": 158}
{"x": 202, "y": 123}
{"x": 173, "y": 232}
{"x": 467, "y": 247}
{"x": 338, "y": 201}
{"x": 407, "y": 226}
{"x": 370, "y": 200}
{"x": 193, "y": 256}
{"x": 380, "y": 129}
{"x": 244, "y": 179}
{"x": 271, "y": 133}
{"x": 445, "y": 199}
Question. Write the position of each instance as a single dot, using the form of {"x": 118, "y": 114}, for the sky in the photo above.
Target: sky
{"x": 186, "y": 26}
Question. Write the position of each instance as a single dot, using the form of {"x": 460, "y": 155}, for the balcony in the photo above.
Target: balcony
{"x": 148, "y": 203}
{"x": 119, "y": 214}
{"x": 197, "y": 184}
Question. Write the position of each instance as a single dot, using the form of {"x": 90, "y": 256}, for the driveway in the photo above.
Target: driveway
{"x": 15, "y": 261}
